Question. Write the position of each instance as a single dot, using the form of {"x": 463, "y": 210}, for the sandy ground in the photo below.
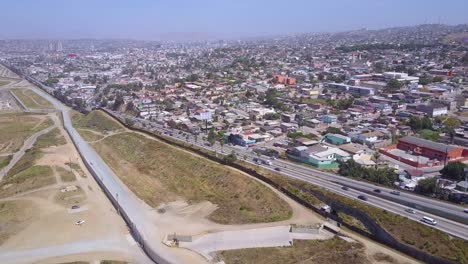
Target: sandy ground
{"x": 88, "y": 257}
{"x": 54, "y": 223}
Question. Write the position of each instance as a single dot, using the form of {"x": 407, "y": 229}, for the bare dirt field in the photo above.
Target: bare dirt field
{"x": 36, "y": 219}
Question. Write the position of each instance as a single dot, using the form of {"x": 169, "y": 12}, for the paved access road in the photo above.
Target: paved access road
{"x": 450, "y": 217}
{"x": 276, "y": 236}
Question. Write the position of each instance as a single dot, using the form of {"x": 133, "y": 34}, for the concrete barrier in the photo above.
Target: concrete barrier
{"x": 180, "y": 238}
{"x": 306, "y": 229}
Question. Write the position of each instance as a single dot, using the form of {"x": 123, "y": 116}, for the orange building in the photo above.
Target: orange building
{"x": 290, "y": 81}
{"x": 279, "y": 78}
{"x": 285, "y": 80}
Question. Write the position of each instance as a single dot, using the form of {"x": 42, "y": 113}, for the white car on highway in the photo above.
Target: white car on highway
{"x": 428, "y": 220}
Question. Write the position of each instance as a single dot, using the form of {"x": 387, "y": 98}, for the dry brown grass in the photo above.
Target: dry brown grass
{"x": 15, "y": 128}
{"x": 32, "y": 100}
{"x": 25, "y": 175}
{"x": 95, "y": 120}
{"x": 28, "y": 179}
{"x": 5, "y": 160}
{"x": 68, "y": 199}
{"x": 76, "y": 167}
{"x": 157, "y": 172}
{"x": 14, "y": 216}
{"x": 65, "y": 174}
{"x": 334, "y": 250}
{"x": 89, "y": 135}
{"x": 53, "y": 138}
{"x": 383, "y": 258}
{"x": 4, "y": 83}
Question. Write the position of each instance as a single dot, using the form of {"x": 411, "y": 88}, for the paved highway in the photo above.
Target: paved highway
{"x": 385, "y": 200}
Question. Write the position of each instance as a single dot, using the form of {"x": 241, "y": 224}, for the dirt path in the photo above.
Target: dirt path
{"x": 43, "y": 119}
{"x": 58, "y": 179}
{"x": 52, "y": 233}
{"x": 27, "y": 145}
{"x": 104, "y": 136}
{"x": 32, "y": 98}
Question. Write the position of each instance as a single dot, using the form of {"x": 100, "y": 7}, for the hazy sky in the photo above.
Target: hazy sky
{"x": 155, "y": 19}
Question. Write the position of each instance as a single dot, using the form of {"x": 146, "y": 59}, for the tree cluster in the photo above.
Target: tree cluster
{"x": 418, "y": 124}
{"x": 384, "y": 176}
{"x": 394, "y": 85}
{"x": 429, "y": 135}
{"x": 454, "y": 171}
{"x": 427, "y": 186}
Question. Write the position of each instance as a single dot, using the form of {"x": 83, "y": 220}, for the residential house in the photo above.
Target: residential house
{"x": 319, "y": 156}
{"x": 336, "y": 139}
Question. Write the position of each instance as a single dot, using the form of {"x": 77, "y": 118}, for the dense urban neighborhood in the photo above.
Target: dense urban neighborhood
{"x": 325, "y": 100}
{"x": 331, "y": 120}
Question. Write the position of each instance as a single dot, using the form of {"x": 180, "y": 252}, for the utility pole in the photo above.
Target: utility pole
{"x": 465, "y": 170}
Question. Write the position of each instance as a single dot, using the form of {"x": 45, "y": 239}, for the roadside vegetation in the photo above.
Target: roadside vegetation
{"x": 31, "y": 99}
{"x": 382, "y": 176}
{"x": 334, "y": 250}
{"x": 157, "y": 173}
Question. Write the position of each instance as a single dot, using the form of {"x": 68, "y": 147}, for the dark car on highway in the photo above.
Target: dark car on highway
{"x": 377, "y": 191}
{"x": 345, "y": 188}
{"x": 362, "y": 197}
{"x": 277, "y": 169}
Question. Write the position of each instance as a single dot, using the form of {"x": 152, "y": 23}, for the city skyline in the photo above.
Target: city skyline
{"x": 207, "y": 19}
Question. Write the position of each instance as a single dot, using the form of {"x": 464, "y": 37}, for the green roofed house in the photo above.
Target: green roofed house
{"x": 336, "y": 139}
{"x": 320, "y": 156}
